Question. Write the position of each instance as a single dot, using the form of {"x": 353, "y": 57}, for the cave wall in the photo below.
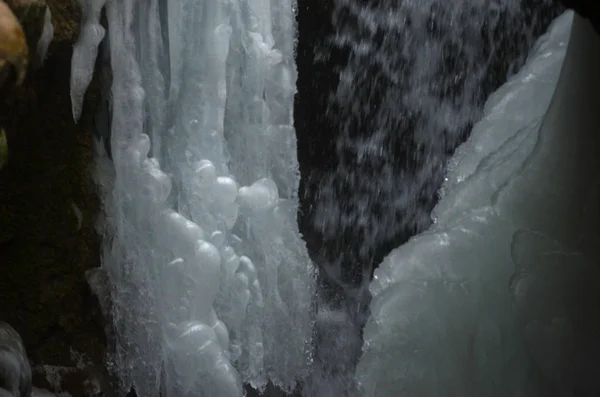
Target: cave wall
{"x": 48, "y": 210}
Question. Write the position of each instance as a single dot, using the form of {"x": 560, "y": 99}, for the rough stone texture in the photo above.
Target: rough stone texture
{"x": 14, "y": 52}
{"x": 44, "y": 188}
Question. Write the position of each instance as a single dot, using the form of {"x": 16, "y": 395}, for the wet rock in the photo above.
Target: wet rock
{"x": 82, "y": 380}
{"x": 3, "y": 153}
{"x": 97, "y": 279}
{"x": 26, "y": 32}
{"x": 48, "y": 209}
{"x": 33, "y": 16}
{"x": 14, "y": 53}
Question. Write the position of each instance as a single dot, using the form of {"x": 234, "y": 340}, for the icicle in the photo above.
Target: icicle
{"x": 85, "y": 52}
{"x": 46, "y": 37}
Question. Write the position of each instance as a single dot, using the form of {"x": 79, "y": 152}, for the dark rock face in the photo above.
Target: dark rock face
{"x": 15, "y": 372}
{"x": 586, "y": 8}
{"x": 48, "y": 208}
{"x": 14, "y": 52}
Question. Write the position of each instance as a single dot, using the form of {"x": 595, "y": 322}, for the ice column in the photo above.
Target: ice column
{"x": 262, "y": 148}
{"x": 211, "y": 281}
{"x": 85, "y": 52}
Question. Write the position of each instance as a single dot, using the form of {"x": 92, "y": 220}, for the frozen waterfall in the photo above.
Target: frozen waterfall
{"x": 208, "y": 269}
{"x": 494, "y": 299}
{"x": 210, "y": 280}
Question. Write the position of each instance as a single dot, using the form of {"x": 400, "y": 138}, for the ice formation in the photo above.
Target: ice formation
{"x": 417, "y": 75}
{"x": 46, "y": 37}
{"x": 85, "y": 52}
{"x": 211, "y": 282}
{"x": 15, "y": 371}
{"x": 491, "y": 300}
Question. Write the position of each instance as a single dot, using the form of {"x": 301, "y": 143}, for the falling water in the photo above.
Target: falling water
{"x": 411, "y": 82}
{"x": 415, "y": 78}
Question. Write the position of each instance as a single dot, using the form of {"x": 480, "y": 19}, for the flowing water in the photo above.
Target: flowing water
{"x": 414, "y": 80}
{"x": 409, "y": 79}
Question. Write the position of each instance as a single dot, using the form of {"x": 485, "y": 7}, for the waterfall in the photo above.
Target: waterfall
{"x": 414, "y": 80}
{"x": 494, "y": 298}
{"x": 410, "y": 79}
{"x": 211, "y": 282}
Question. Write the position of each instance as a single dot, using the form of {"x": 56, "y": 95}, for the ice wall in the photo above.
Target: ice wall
{"x": 494, "y": 299}
{"x": 211, "y": 282}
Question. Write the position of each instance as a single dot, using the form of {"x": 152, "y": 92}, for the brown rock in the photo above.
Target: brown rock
{"x": 32, "y": 16}
{"x": 14, "y": 53}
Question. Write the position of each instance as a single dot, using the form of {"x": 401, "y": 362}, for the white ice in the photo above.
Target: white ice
{"x": 46, "y": 37}
{"x": 85, "y": 52}
{"x": 494, "y": 299}
{"x": 211, "y": 282}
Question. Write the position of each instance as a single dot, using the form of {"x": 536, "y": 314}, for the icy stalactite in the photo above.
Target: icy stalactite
{"x": 85, "y": 52}
{"x": 262, "y": 149}
{"x": 46, "y": 37}
{"x": 152, "y": 60}
{"x": 211, "y": 282}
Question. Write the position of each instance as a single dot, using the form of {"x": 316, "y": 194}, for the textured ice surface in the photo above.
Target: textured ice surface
{"x": 85, "y": 52}
{"x": 492, "y": 299}
{"x": 210, "y": 280}
{"x": 15, "y": 371}
{"x": 417, "y": 74}
{"x": 46, "y": 37}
